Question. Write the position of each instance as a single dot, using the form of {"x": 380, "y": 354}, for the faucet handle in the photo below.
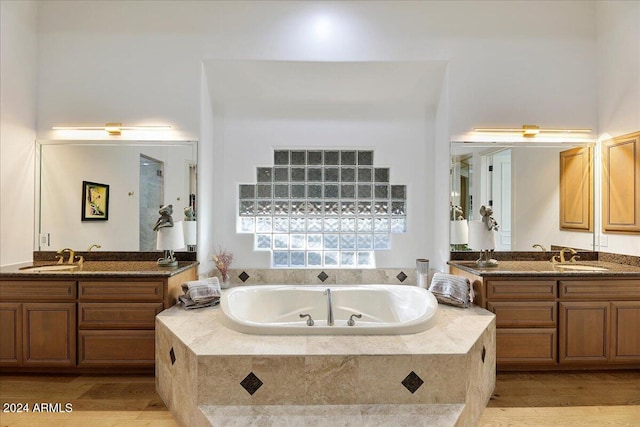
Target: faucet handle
{"x": 574, "y": 258}
{"x": 352, "y": 322}
{"x": 309, "y": 319}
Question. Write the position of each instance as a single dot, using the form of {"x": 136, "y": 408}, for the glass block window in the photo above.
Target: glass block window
{"x": 322, "y": 208}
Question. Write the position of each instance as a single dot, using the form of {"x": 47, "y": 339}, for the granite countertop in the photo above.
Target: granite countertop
{"x": 98, "y": 269}
{"x": 546, "y": 269}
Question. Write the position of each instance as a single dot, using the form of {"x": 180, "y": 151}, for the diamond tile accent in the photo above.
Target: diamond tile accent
{"x": 401, "y": 276}
{"x": 323, "y": 276}
{"x": 251, "y": 383}
{"x": 412, "y": 382}
{"x": 243, "y": 276}
{"x": 172, "y": 355}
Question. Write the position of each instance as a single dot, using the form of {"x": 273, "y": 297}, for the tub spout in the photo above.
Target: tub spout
{"x": 327, "y": 292}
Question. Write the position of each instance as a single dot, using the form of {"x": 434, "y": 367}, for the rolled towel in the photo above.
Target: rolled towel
{"x": 202, "y": 290}
{"x": 452, "y": 290}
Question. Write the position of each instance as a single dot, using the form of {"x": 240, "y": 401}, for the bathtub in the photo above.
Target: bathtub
{"x": 276, "y": 309}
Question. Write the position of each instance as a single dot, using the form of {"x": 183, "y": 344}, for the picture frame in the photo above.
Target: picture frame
{"x": 95, "y": 201}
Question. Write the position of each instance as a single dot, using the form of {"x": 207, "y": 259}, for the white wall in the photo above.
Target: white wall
{"x": 18, "y": 71}
{"x": 137, "y": 62}
{"x": 536, "y": 199}
{"x": 402, "y": 142}
{"x": 618, "y": 92}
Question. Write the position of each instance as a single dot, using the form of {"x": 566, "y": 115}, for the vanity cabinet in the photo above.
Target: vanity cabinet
{"x": 526, "y": 320}
{"x": 599, "y": 321}
{"x": 38, "y": 328}
{"x": 88, "y": 324}
{"x": 554, "y": 323}
{"x": 116, "y": 322}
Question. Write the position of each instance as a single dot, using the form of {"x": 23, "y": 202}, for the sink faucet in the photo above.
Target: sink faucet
{"x": 61, "y": 253}
{"x": 93, "y": 246}
{"x": 538, "y": 245}
{"x": 327, "y": 292}
{"x": 554, "y": 259}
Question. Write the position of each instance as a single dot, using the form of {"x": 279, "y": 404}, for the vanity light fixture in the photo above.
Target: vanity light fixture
{"x": 530, "y": 131}
{"x": 114, "y": 129}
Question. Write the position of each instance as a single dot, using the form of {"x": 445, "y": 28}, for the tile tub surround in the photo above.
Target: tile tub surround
{"x": 320, "y": 276}
{"x": 208, "y": 374}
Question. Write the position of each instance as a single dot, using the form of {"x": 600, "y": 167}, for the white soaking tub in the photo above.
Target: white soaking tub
{"x": 276, "y": 309}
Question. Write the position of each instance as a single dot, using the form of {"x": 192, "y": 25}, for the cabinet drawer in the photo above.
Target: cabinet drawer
{"x": 537, "y": 345}
{"x": 534, "y": 313}
{"x": 510, "y": 289}
{"x": 600, "y": 289}
{"x": 126, "y": 290}
{"x": 41, "y": 290}
{"x": 118, "y": 315}
{"x": 116, "y": 348}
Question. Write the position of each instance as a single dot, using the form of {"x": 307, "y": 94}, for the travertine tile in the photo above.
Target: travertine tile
{"x": 325, "y": 370}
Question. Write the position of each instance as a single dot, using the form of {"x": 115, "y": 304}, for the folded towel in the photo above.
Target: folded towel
{"x": 202, "y": 290}
{"x": 452, "y": 290}
{"x": 190, "y": 304}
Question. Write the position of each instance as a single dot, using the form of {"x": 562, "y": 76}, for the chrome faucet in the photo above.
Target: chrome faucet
{"x": 327, "y": 292}
{"x": 538, "y": 245}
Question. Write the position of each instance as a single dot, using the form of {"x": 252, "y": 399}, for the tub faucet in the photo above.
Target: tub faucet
{"x": 327, "y": 292}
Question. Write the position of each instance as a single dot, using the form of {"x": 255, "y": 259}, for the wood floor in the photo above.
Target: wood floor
{"x": 520, "y": 399}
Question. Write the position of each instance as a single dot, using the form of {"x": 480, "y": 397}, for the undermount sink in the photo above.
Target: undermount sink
{"x": 580, "y": 267}
{"x": 54, "y": 267}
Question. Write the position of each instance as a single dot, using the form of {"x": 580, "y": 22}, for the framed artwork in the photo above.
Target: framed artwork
{"x": 95, "y": 201}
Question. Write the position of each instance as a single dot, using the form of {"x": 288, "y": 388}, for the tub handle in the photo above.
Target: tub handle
{"x": 352, "y": 322}
{"x": 309, "y": 319}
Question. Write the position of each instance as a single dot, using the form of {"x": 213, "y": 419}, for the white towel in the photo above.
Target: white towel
{"x": 452, "y": 290}
{"x": 202, "y": 290}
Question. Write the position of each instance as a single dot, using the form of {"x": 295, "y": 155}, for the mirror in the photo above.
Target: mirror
{"x": 130, "y": 180}
{"x": 521, "y": 182}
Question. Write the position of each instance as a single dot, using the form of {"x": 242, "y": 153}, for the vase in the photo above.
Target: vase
{"x": 225, "y": 281}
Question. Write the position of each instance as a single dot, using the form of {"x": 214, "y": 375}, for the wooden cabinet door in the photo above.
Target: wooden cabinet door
{"x": 625, "y": 331}
{"x": 576, "y": 188}
{"x": 584, "y": 331}
{"x": 10, "y": 334}
{"x": 49, "y": 334}
{"x": 621, "y": 184}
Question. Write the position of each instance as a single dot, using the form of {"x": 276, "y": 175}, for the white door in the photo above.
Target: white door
{"x": 501, "y": 197}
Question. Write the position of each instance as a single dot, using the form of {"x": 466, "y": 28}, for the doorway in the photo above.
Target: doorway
{"x": 498, "y": 194}
{"x": 151, "y": 199}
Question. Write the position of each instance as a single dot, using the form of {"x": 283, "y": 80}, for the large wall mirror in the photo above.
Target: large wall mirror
{"x": 129, "y": 180}
{"x": 522, "y": 184}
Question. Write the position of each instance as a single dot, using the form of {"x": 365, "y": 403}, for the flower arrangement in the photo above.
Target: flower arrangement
{"x": 223, "y": 261}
